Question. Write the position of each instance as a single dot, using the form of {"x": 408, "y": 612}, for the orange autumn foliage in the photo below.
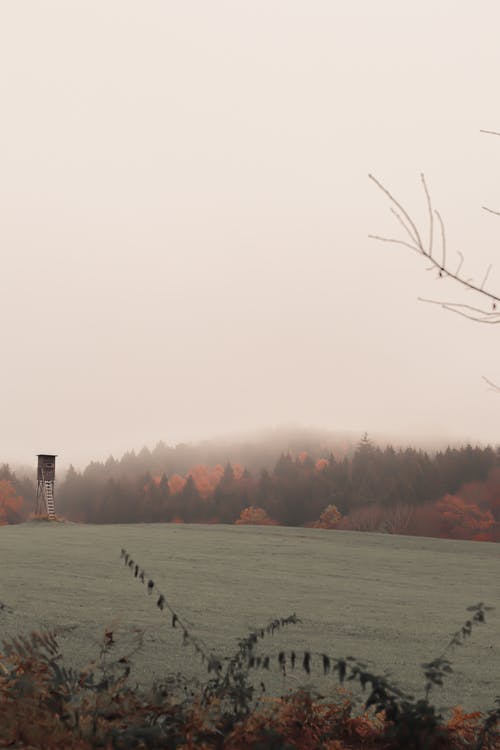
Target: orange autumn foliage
{"x": 463, "y": 727}
{"x": 238, "y": 471}
{"x": 255, "y": 516}
{"x": 206, "y": 478}
{"x": 485, "y": 493}
{"x": 176, "y": 484}
{"x": 329, "y": 519}
{"x": 462, "y": 519}
{"x": 321, "y": 464}
{"x": 10, "y": 504}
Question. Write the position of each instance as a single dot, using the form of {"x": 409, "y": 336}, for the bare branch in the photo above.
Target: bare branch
{"x": 441, "y": 266}
{"x": 476, "y": 314}
{"x": 443, "y": 238}
{"x": 482, "y": 316}
{"x": 490, "y": 132}
{"x": 490, "y": 210}
{"x": 474, "y": 318}
{"x": 493, "y": 386}
{"x": 397, "y": 242}
{"x": 431, "y": 215}
{"x": 405, "y": 226}
{"x": 486, "y": 276}
{"x": 416, "y": 238}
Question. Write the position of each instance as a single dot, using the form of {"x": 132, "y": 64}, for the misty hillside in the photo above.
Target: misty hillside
{"x": 254, "y": 451}
{"x": 289, "y": 479}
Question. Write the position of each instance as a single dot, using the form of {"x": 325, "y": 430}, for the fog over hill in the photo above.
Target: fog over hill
{"x": 255, "y": 449}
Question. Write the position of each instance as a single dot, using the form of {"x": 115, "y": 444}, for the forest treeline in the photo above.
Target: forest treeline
{"x": 451, "y": 493}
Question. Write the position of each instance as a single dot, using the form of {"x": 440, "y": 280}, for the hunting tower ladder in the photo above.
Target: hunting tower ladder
{"x": 46, "y": 477}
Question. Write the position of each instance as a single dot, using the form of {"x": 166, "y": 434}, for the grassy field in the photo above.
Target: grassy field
{"x": 392, "y": 601}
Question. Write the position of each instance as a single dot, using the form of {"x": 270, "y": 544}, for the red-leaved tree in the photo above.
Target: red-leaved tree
{"x": 11, "y": 504}
{"x": 462, "y": 519}
{"x": 329, "y": 519}
{"x": 255, "y": 516}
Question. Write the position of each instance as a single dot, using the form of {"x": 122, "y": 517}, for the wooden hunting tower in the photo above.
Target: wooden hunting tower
{"x": 46, "y": 477}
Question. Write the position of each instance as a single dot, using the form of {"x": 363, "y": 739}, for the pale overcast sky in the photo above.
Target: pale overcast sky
{"x": 185, "y": 210}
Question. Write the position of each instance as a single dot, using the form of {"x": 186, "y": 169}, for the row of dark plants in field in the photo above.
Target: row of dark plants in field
{"x": 44, "y": 704}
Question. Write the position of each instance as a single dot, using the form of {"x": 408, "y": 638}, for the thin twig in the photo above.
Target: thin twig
{"x": 490, "y": 210}
{"x": 431, "y": 217}
{"x": 395, "y": 241}
{"x": 492, "y": 385}
{"x": 483, "y": 315}
{"x": 403, "y": 211}
{"x": 486, "y": 276}
{"x": 443, "y": 238}
{"x": 401, "y": 221}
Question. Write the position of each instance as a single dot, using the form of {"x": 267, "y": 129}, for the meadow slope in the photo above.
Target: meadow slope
{"x": 390, "y": 600}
